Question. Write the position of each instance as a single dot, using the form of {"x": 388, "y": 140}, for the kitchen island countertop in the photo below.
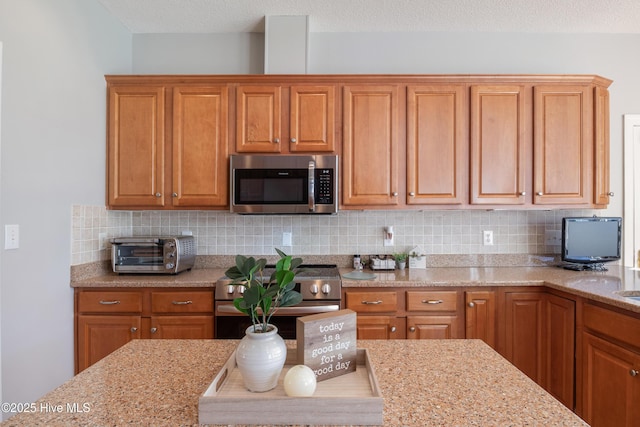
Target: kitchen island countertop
{"x": 423, "y": 383}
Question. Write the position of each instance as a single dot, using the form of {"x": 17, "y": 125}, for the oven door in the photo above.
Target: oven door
{"x": 231, "y": 324}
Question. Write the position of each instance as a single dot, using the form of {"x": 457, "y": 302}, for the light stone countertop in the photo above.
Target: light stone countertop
{"x": 423, "y": 383}
{"x": 599, "y": 286}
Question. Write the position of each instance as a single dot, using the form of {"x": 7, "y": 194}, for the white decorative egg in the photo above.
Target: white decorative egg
{"x": 300, "y": 381}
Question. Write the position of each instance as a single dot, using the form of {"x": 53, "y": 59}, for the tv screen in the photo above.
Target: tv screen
{"x": 591, "y": 240}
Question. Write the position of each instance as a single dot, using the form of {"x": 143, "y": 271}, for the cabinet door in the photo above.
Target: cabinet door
{"x": 524, "y": 329}
{"x": 436, "y": 144}
{"x": 563, "y": 145}
{"x": 380, "y": 327}
{"x": 559, "y": 349}
{"x": 136, "y": 144}
{"x": 200, "y": 146}
{"x": 601, "y": 144}
{"x": 182, "y": 327}
{"x": 611, "y": 384}
{"x": 258, "y": 116}
{"x": 99, "y": 335}
{"x": 499, "y": 139}
{"x": 370, "y": 145}
{"x": 312, "y": 119}
{"x": 432, "y": 327}
{"x": 480, "y": 316}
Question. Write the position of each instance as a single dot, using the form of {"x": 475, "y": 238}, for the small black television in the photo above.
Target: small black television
{"x": 589, "y": 242}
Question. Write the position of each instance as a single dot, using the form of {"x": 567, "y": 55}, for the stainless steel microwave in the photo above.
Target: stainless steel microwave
{"x": 284, "y": 184}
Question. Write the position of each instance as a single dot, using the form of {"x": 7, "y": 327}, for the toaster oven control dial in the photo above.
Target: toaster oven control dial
{"x": 326, "y": 289}
{"x": 169, "y": 265}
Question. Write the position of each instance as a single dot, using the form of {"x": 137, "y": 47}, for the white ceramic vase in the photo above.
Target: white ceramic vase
{"x": 260, "y": 357}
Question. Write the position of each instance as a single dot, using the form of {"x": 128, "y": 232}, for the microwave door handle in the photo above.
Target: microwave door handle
{"x": 312, "y": 186}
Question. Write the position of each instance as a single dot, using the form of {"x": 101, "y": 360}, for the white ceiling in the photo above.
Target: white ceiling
{"x": 233, "y": 16}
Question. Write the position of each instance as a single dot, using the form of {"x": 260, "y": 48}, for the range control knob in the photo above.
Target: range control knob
{"x": 314, "y": 289}
{"x": 241, "y": 288}
{"x": 230, "y": 289}
{"x": 326, "y": 289}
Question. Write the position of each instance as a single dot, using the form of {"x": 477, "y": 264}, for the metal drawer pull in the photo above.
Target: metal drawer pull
{"x": 393, "y": 329}
{"x": 114, "y": 302}
{"x": 633, "y": 373}
{"x": 154, "y": 330}
{"x": 372, "y": 302}
{"x": 432, "y": 301}
{"x": 181, "y": 302}
{"x": 134, "y": 329}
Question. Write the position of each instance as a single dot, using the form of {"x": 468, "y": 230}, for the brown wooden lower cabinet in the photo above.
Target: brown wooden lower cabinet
{"x": 100, "y": 335}
{"x": 107, "y": 319}
{"x": 433, "y": 327}
{"x": 480, "y": 316}
{"x": 559, "y": 348}
{"x": 380, "y": 327}
{"x": 611, "y": 383}
{"x": 523, "y": 332}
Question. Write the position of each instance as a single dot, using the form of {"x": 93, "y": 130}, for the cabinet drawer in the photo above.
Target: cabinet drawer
{"x": 615, "y": 325}
{"x": 182, "y": 302}
{"x": 109, "y": 302}
{"x": 432, "y": 301}
{"x": 372, "y": 302}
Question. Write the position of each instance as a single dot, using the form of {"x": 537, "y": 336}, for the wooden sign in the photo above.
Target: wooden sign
{"x": 327, "y": 343}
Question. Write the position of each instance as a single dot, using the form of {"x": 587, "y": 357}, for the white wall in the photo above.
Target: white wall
{"x": 52, "y": 156}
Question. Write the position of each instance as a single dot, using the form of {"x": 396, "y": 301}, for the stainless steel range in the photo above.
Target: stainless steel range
{"x": 321, "y": 290}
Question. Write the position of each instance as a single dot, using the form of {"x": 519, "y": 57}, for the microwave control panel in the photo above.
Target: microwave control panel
{"x": 324, "y": 193}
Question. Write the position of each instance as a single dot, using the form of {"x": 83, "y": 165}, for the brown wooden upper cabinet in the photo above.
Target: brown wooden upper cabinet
{"x": 167, "y": 146}
{"x": 262, "y": 116}
{"x": 563, "y": 145}
{"x": 370, "y": 146}
{"x": 499, "y": 141}
{"x": 437, "y": 144}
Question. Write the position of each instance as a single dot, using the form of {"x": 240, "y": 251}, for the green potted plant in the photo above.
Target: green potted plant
{"x": 261, "y": 297}
{"x": 261, "y": 354}
{"x": 401, "y": 259}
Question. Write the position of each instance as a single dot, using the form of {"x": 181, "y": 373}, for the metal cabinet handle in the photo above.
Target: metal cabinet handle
{"x": 154, "y": 330}
{"x": 633, "y": 373}
{"x": 412, "y": 329}
{"x": 393, "y": 329}
{"x": 523, "y": 193}
{"x": 276, "y": 140}
{"x": 539, "y": 193}
{"x": 133, "y": 329}
{"x": 181, "y": 302}
{"x": 114, "y": 302}
{"x": 158, "y": 194}
{"x": 175, "y": 194}
{"x": 472, "y": 304}
{"x": 412, "y": 194}
{"x": 293, "y": 140}
{"x": 395, "y": 194}
{"x": 610, "y": 193}
{"x": 432, "y": 301}
{"x": 372, "y": 302}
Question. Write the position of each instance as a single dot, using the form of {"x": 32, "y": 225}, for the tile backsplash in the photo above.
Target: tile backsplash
{"x": 348, "y": 232}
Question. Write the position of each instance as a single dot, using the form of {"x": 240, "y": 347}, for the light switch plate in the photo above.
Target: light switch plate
{"x": 11, "y": 236}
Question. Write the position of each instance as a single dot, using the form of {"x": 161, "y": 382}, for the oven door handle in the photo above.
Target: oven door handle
{"x": 292, "y": 311}
{"x": 311, "y": 195}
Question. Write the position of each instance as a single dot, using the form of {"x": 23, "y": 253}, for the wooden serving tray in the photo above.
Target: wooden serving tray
{"x": 350, "y": 399}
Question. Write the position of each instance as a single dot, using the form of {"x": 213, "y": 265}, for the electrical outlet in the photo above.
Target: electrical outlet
{"x": 552, "y": 237}
{"x": 286, "y": 239}
{"x": 11, "y": 236}
{"x": 487, "y": 238}
{"x": 102, "y": 240}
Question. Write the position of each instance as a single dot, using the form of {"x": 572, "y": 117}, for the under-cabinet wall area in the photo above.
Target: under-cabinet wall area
{"x": 348, "y": 232}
